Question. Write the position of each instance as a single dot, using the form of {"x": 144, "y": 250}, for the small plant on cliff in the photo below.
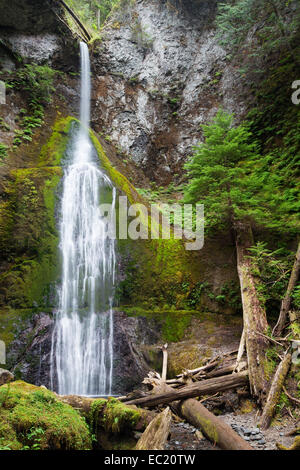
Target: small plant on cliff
{"x": 37, "y": 81}
{"x": 3, "y": 151}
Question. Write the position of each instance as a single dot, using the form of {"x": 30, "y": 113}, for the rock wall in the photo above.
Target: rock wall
{"x": 160, "y": 74}
{"x": 35, "y": 31}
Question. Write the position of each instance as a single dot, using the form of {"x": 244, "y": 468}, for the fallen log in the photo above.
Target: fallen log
{"x": 86, "y": 407}
{"x": 77, "y": 20}
{"x": 215, "y": 429}
{"x": 205, "y": 387}
{"x": 295, "y": 446}
{"x": 225, "y": 370}
{"x": 275, "y": 391}
{"x": 156, "y": 433}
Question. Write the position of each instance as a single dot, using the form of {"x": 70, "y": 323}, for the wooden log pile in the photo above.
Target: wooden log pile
{"x": 217, "y": 375}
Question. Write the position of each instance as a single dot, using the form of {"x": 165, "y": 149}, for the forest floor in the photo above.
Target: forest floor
{"x": 183, "y": 436}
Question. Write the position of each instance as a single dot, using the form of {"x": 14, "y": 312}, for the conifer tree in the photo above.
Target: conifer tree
{"x": 218, "y": 178}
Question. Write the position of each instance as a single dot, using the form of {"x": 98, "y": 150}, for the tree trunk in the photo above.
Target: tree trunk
{"x": 204, "y": 387}
{"x": 255, "y": 320}
{"x": 165, "y": 362}
{"x": 156, "y": 434}
{"x": 286, "y": 302}
{"x": 215, "y": 429}
{"x": 275, "y": 391}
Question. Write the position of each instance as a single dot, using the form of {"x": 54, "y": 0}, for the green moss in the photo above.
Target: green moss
{"x": 295, "y": 446}
{"x": 28, "y": 235}
{"x": 119, "y": 180}
{"x": 53, "y": 151}
{"x": 173, "y": 322}
{"x": 113, "y": 416}
{"x": 33, "y": 236}
{"x": 10, "y": 320}
{"x": 33, "y": 418}
{"x": 270, "y": 362}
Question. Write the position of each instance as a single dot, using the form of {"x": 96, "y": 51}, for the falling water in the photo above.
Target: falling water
{"x": 82, "y": 346}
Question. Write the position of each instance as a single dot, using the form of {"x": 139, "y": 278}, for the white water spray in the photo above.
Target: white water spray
{"x": 82, "y": 345}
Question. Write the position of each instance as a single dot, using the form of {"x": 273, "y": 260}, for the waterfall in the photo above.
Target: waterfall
{"x": 82, "y": 344}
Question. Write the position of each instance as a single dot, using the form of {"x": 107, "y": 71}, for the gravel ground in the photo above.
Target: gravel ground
{"x": 183, "y": 436}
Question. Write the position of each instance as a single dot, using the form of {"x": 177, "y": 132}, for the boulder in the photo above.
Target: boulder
{"x": 5, "y": 376}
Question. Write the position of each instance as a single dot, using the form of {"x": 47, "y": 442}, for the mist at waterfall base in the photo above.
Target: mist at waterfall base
{"x": 82, "y": 343}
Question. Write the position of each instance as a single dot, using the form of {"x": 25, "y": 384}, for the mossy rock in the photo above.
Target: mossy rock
{"x": 33, "y": 418}
{"x": 28, "y": 232}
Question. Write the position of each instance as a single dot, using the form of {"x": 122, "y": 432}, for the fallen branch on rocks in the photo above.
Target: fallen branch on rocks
{"x": 197, "y": 389}
{"x": 216, "y": 430}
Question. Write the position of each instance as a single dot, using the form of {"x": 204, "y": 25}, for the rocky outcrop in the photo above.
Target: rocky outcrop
{"x": 134, "y": 337}
{"x": 137, "y": 342}
{"x": 5, "y": 376}
{"x": 36, "y": 31}
{"x": 160, "y": 74}
{"x": 29, "y": 354}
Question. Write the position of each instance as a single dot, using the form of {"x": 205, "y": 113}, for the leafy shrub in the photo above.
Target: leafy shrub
{"x": 37, "y": 81}
{"x": 3, "y": 151}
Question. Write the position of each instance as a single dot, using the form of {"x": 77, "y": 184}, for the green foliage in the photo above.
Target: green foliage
{"x": 296, "y": 297}
{"x": 112, "y": 416}
{"x": 93, "y": 12}
{"x": 270, "y": 25}
{"x": 37, "y": 81}
{"x": 234, "y": 182}
{"x": 34, "y": 419}
{"x": 215, "y": 177}
{"x": 271, "y": 361}
{"x": 28, "y": 125}
{"x": 273, "y": 268}
{"x": 3, "y": 151}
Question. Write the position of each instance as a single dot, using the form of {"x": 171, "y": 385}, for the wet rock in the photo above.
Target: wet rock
{"x": 29, "y": 355}
{"x": 132, "y": 335}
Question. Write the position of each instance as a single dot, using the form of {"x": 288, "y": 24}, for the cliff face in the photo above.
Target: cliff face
{"x": 160, "y": 74}
{"x": 35, "y": 31}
